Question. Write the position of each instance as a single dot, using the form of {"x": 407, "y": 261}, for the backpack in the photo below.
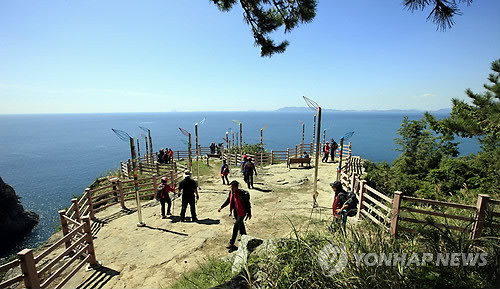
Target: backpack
{"x": 226, "y": 169}
{"x": 354, "y": 202}
{"x": 249, "y": 167}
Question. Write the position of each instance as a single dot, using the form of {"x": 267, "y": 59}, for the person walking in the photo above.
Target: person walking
{"x": 163, "y": 196}
{"x": 242, "y": 166}
{"x": 189, "y": 189}
{"x": 326, "y": 151}
{"x": 224, "y": 171}
{"x": 249, "y": 170}
{"x": 239, "y": 206}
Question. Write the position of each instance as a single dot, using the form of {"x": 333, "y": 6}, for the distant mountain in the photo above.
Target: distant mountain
{"x": 399, "y": 111}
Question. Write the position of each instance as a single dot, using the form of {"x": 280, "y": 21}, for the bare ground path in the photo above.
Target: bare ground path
{"x": 155, "y": 255}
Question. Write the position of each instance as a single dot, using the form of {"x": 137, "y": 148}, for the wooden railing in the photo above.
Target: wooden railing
{"x": 393, "y": 213}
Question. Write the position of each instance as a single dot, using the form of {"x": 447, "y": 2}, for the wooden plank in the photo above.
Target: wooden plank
{"x": 494, "y": 202}
{"x": 11, "y": 281}
{"x": 9, "y": 265}
{"x": 101, "y": 189}
{"x": 440, "y": 225}
{"x": 495, "y": 214}
{"x": 377, "y": 202}
{"x": 371, "y": 217}
{"x": 380, "y": 214}
{"x": 71, "y": 220}
{"x": 105, "y": 194}
{"x": 57, "y": 244}
{"x": 379, "y": 194}
{"x": 105, "y": 201}
{"x": 58, "y": 272}
{"x": 438, "y": 203}
{"x": 60, "y": 256}
{"x": 439, "y": 214}
{"x": 73, "y": 272}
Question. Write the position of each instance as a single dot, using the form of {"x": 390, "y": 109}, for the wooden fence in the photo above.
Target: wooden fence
{"x": 400, "y": 212}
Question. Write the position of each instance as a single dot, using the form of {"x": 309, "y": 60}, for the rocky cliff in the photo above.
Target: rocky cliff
{"x": 15, "y": 222}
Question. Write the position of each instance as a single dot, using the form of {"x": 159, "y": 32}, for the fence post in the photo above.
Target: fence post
{"x": 175, "y": 167}
{"x": 353, "y": 182}
{"x": 295, "y": 150}
{"x": 121, "y": 169}
{"x": 28, "y": 268}
{"x": 157, "y": 168}
{"x": 396, "y": 202}
{"x": 88, "y": 238}
{"x": 140, "y": 167}
{"x": 362, "y": 190}
{"x": 172, "y": 181}
{"x": 115, "y": 190}
{"x": 482, "y": 204}
{"x": 76, "y": 209}
{"x": 129, "y": 168}
{"x": 120, "y": 192}
{"x": 272, "y": 157}
{"x": 155, "y": 184}
{"x": 64, "y": 227}
{"x": 91, "y": 205}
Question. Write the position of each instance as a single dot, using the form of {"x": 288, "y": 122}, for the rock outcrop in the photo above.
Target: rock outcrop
{"x": 15, "y": 222}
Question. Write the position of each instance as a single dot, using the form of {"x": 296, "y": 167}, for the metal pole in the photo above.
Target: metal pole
{"x": 241, "y": 137}
{"x": 232, "y": 137}
{"x": 150, "y": 145}
{"x": 197, "y": 153}
{"x": 340, "y": 156}
{"x": 147, "y": 149}
{"x": 190, "y": 152}
{"x": 303, "y": 132}
{"x": 324, "y": 136}
{"x": 316, "y": 165}
{"x": 138, "y": 151}
{"x": 136, "y": 182}
{"x": 314, "y": 128}
{"x": 227, "y": 140}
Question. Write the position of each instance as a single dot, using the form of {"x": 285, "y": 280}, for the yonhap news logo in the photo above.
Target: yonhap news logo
{"x": 333, "y": 258}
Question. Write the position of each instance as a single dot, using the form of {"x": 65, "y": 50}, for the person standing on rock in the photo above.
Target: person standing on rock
{"x": 189, "y": 189}
{"x": 239, "y": 206}
{"x": 162, "y": 196}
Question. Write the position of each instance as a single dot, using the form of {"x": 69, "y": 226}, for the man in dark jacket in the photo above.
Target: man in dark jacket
{"x": 344, "y": 204}
{"x": 189, "y": 189}
{"x": 249, "y": 171}
{"x": 239, "y": 205}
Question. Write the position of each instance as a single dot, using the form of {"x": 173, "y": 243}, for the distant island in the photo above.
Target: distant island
{"x": 399, "y": 111}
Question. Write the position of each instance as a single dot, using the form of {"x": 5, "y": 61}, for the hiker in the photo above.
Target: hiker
{"x": 165, "y": 156}
{"x": 189, "y": 189}
{"x": 224, "y": 171}
{"x": 305, "y": 155}
{"x": 249, "y": 170}
{"x": 345, "y": 203}
{"x": 163, "y": 196}
{"x": 170, "y": 156}
{"x": 239, "y": 205}
{"x": 326, "y": 150}
{"x": 335, "y": 146}
{"x": 160, "y": 156}
{"x": 242, "y": 165}
{"x": 212, "y": 148}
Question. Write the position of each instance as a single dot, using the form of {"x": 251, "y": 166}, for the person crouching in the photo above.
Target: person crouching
{"x": 239, "y": 205}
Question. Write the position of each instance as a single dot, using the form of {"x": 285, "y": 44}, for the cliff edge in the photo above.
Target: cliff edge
{"x": 15, "y": 222}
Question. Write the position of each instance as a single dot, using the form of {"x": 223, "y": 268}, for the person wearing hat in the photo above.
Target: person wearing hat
{"x": 345, "y": 203}
{"x": 189, "y": 189}
{"x": 249, "y": 170}
{"x": 239, "y": 206}
{"x": 326, "y": 151}
{"x": 162, "y": 196}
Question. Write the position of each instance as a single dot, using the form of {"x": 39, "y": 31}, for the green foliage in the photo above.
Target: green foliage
{"x": 209, "y": 274}
{"x": 265, "y": 17}
{"x": 247, "y": 149}
{"x": 428, "y": 166}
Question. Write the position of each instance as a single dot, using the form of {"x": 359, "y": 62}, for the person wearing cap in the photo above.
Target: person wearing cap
{"x": 242, "y": 165}
{"x": 344, "y": 204}
{"x": 239, "y": 206}
{"x": 249, "y": 170}
{"x": 162, "y": 195}
{"x": 189, "y": 189}
{"x": 326, "y": 151}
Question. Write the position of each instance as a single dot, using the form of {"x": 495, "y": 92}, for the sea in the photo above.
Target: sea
{"x": 50, "y": 158}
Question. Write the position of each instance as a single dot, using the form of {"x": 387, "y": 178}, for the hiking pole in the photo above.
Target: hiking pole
{"x": 126, "y": 137}
{"x": 313, "y": 105}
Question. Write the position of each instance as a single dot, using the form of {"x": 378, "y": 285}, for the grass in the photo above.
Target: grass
{"x": 209, "y": 274}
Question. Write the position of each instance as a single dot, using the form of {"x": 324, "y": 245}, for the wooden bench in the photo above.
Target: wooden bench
{"x": 298, "y": 161}
{"x": 213, "y": 156}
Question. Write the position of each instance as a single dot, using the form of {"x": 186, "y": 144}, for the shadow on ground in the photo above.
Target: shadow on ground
{"x": 99, "y": 278}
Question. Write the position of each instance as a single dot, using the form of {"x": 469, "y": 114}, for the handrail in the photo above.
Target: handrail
{"x": 60, "y": 256}
{"x": 9, "y": 265}
{"x": 438, "y": 203}
{"x": 63, "y": 267}
{"x": 58, "y": 243}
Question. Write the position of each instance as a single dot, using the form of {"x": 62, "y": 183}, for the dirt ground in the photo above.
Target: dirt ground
{"x": 154, "y": 256}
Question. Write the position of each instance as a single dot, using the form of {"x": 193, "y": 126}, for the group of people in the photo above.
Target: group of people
{"x": 329, "y": 150}
{"x": 238, "y": 201}
{"x": 216, "y": 148}
{"x": 165, "y": 156}
{"x": 247, "y": 168}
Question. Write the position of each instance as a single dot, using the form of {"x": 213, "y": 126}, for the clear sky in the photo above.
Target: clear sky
{"x": 165, "y": 55}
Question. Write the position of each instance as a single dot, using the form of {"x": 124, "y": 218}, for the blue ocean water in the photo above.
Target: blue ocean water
{"x": 48, "y": 159}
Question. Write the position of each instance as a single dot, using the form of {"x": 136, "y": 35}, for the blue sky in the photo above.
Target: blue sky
{"x": 141, "y": 56}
